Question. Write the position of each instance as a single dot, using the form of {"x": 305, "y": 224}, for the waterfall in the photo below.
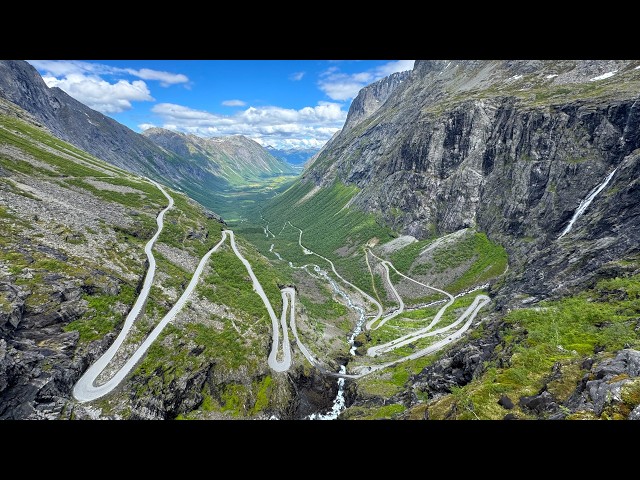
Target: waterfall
{"x": 339, "y": 401}
{"x": 586, "y": 202}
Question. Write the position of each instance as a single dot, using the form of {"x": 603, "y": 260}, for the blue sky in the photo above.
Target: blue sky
{"x": 283, "y": 103}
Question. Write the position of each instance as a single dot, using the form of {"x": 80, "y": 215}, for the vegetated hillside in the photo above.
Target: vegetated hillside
{"x": 205, "y": 169}
{"x": 72, "y": 262}
{"x": 237, "y": 159}
{"x": 248, "y": 172}
{"x": 492, "y": 163}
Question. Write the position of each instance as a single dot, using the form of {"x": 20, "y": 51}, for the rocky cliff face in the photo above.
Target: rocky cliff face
{"x": 78, "y": 124}
{"x": 511, "y": 147}
{"x": 372, "y": 97}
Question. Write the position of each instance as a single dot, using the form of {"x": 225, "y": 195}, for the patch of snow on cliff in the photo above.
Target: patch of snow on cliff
{"x": 397, "y": 244}
{"x": 603, "y": 76}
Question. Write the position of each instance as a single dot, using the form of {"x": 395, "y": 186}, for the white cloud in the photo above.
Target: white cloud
{"x": 297, "y": 76}
{"x": 146, "y": 126}
{"x": 165, "y": 78}
{"x": 342, "y": 86}
{"x": 393, "y": 67}
{"x": 234, "y": 103}
{"x": 99, "y": 94}
{"x": 271, "y": 125}
{"x": 85, "y": 82}
{"x": 58, "y": 68}
{"x": 61, "y": 68}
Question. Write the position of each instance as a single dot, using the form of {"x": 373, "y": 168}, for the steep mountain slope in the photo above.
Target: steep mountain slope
{"x": 372, "y": 97}
{"x": 462, "y": 158}
{"x": 72, "y": 262}
{"x": 206, "y": 169}
{"x": 81, "y": 126}
{"x": 511, "y": 147}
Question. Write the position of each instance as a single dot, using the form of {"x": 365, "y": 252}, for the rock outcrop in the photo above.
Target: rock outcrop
{"x": 372, "y": 97}
{"x": 509, "y": 147}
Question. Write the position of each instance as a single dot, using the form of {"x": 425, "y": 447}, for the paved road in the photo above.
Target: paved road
{"x": 279, "y": 358}
{"x": 470, "y": 313}
{"x": 84, "y": 390}
{"x": 273, "y": 361}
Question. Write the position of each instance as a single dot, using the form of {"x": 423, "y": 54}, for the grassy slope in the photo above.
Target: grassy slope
{"x": 480, "y": 259}
{"x": 555, "y": 334}
{"x": 120, "y": 261}
{"x": 327, "y": 225}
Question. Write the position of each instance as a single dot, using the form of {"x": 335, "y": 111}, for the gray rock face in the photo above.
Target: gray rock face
{"x": 603, "y": 387}
{"x": 506, "y": 147}
{"x": 539, "y": 404}
{"x": 371, "y": 97}
{"x": 37, "y": 365}
{"x": 313, "y": 393}
{"x": 456, "y": 368}
{"x": 180, "y": 395}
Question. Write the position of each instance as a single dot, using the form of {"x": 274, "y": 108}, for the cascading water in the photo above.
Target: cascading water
{"x": 339, "y": 401}
{"x": 585, "y": 203}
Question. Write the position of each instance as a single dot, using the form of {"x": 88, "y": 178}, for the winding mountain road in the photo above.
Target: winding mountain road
{"x": 85, "y": 389}
{"x": 280, "y": 357}
{"x": 469, "y": 314}
{"x": 274, "y": 363}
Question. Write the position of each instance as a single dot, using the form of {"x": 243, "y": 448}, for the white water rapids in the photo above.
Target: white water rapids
{"x": 339, "y": 402}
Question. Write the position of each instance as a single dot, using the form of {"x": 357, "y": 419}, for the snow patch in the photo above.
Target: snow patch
{"x": 397, "y": 243}
{"x": 603, "y": 76}
{"x": 516, "y": 77}
{"x": 552, "y": 75}
{"x": 311, "y": 193}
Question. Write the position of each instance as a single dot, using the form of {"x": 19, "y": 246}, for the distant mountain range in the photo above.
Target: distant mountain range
{"x": 236, "y": 159}
{"x": 295, "y": 156}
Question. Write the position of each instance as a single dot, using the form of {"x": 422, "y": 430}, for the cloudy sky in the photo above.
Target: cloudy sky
{"x": 283, "y": 103}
